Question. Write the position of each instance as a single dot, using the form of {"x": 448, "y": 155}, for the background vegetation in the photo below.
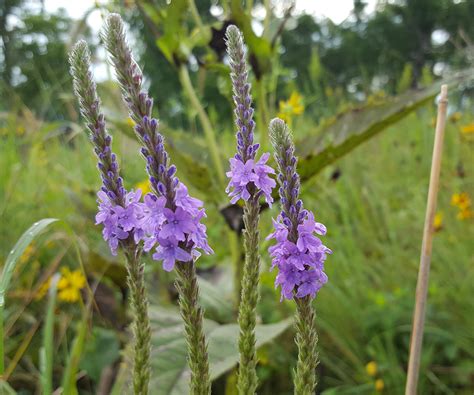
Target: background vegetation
{"x": 360, "y": 97}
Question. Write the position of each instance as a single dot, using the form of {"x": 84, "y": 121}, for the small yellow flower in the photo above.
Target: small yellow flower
{"x": 465, "y": 214}
{"x": 144, "y": 186}
{"x": 455, "y": 116}
{"x": 468, "y": 129}
{"x": 371, "y": 368}
{"x": 291, "y": 107}
{"x": 130, "y": 122}
{"x": 438, "y": 221}
{"x": 461, "y": 200}
{"x": 379, "y": 385}
{"x": 70, "y": 285}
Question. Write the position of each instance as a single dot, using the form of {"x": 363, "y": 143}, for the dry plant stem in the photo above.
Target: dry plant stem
{"x": 247, "y": 377}
{"x": 192, "y": 315}
{"x": 141, "y": 322}
{"x": 425, "y": 260}
{"x": 306, "y": 340}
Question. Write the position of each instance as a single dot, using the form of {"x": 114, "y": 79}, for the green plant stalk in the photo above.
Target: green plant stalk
{"x": 306, "y": 340}
{"x": 205, "y": 122}
{"x": 195, "y": 14}
{"x": 247, "y": 377}
{"x": 2, "y": 356}
{"x": 193, "y": 317}
{"x": 141, "y": 322}
{"x": 47, "y": 351}
{"x": 235, "y": 247}
{"x": 262, "y": 112}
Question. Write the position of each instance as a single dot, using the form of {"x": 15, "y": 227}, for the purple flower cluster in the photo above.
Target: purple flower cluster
{"x": 248, "y": 175}
{"x": 301, "y": 263}
{"x": 299, "y": 254}
{"x": 119, "y": 221}
{"x": 177, "y": 233}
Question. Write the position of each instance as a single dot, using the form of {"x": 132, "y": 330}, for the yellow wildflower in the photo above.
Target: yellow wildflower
{"x": 144, "y": 186}
{"x": 465, "y": 214}
{"x": 438, "y": 221}
{"x": 379, "y": 385}
{"x": 371, "y": 368}
{"x": 291, "y": 107}
{"x": 468, "y": 129}
{"x": 70, "y": 285}
{"x": 455, "y": 116}
{"x": 130, "y": 122}
{"x": 461, "y": 200}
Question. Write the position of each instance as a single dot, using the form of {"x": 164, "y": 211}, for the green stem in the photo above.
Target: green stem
{"x": 141, "y": 323}
{"x": 2, "y": 357}
{"x": 306, "y": 340}
{"x": 235, "y": 247}
{"x": 205, "y": 122}
{"x": 262, "y": 112}
{"x": 247, "y": 379}
{"x": 195, "y": 14}
{"x": 192, "y": 315}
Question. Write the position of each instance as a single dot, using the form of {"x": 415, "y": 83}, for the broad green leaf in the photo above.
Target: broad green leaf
{"x": 169, "y": 349}
{"x": 216, "y": 301}
{"x": 101, "y": 350}
{"x": 17, "y": 252}
{"x": 356, "y": 126}
{"x": 169, "y": 352}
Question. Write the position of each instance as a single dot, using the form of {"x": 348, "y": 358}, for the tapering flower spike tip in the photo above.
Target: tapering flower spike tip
{"x": 299, "y": 256}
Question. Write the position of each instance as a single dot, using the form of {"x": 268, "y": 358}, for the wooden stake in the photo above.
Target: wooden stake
{"x": 425, "y": 259}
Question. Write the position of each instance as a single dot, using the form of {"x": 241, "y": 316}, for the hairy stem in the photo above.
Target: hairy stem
{"x": 306, "y": 340}
{"x": 192, "y": 315}
{"x": 247, "y": 378}
{"x": 141, "y": 324}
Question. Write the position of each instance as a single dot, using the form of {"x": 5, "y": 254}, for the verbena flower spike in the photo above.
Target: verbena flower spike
{"x": 299, "y": 256}
{"x": 248, "y": 181}
{"x": 120, "y": 212}
{"x": 173, "y": 224}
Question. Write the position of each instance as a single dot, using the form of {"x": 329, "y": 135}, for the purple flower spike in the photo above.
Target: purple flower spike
{"x": 169, "y": 215}
{"x": 247, "y": 177}
{"x": 299, "y": 254}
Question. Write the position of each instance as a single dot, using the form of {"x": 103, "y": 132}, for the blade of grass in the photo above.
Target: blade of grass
{"x": 21, "y": 350}
{"x": 10, "y": 264}
{"x": 47, "y": 351}
{"x": 72, "y": 366}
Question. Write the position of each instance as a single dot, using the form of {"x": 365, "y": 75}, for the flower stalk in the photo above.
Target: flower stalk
{"x": 299, "y": 256}
{"x": 248, "y": 181}
{"x": 115, "y": 206}
{"x": 175, "y": 229}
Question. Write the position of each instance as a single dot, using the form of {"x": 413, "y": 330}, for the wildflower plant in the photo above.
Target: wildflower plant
{"x": 299, "y": 256}
{"x": 249, "y": 180}
{"x": 171, "y": 225}
{"x": 120, "y": 212}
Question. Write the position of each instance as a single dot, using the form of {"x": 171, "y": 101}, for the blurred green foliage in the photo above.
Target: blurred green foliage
{"x": 372, "y": 200}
